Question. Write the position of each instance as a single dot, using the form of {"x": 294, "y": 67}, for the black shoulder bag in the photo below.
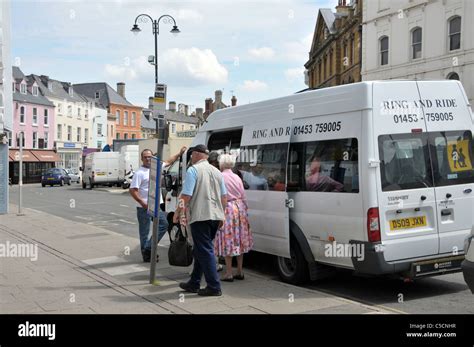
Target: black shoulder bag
{"x": 180, "y": 252}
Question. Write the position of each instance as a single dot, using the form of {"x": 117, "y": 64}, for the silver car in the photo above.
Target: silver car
{"x": 74, "y": 174}
{"x": 468, "y": 263}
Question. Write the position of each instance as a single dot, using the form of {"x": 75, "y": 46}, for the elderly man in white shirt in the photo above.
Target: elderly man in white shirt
{"x": 139, "y": 191}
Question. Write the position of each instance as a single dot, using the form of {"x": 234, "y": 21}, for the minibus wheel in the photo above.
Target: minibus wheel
{"x": 295, "y": 269}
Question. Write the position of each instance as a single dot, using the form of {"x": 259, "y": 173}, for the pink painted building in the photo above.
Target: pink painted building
{"x": 33, "y": 114}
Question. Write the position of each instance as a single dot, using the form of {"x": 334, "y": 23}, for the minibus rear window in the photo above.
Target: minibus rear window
{"x": 452, "y": 157}
{"x": 404, "y": 162}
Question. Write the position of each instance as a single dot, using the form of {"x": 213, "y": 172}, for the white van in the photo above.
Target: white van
{"x": 128, "y": 160}
{"x": 374, "y": 176}
{"x": 101, "y": 168}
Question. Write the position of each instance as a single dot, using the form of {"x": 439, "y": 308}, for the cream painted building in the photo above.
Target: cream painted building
{"x": 419, "y": 39}
{"x": 73, "y": 120}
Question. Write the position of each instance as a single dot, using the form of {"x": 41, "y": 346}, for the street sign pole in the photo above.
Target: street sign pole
{"x": 156, "y": 185}
{"x": 20, "y": 180}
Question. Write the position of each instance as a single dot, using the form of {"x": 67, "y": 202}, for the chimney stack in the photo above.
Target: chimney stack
{"x": 233, "y": 100}
{"x": 121, "y": 89}
{"x": 199, "y": 113}
{"x": 342, "y": 7}
{"x": 208, "y": 106}
{"x": 172, "y": 106}
{"x": 218, "y": 95}
{"x": 186, "y": 110}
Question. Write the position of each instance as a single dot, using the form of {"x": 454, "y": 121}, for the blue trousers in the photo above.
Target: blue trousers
{"x": 144, "y": 222}
{"x": 203, "y": 233}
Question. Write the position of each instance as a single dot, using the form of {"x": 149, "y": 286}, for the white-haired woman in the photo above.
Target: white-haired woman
{"x": 234, "y": 238}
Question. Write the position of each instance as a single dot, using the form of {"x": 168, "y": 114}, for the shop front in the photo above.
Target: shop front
{"x": 35, "y": 163}
{"x": 70, "y": 154}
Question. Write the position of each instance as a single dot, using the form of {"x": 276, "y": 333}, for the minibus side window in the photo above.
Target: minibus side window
{"x": 225, "y": 141}
{"x": 404, "y": 162}
{"x": 324, "y": 166}
{"x": 263, "y": 167}
{"x": 452, "y": 153}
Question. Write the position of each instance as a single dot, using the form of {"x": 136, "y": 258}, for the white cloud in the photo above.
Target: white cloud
{"x": 189, "y": 15}
{"x": 298, "y": 51}
{"x": 295, "y": 74}
{"x": 264, "y": 53}
{"x": 189, "y": 67}
{"x": 254, "y": 86}
{"x": 194, "y": 65}
{"x": 120, "y": 72}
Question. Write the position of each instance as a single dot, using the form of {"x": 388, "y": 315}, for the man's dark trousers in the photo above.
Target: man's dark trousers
{"x": 203, "y": 233}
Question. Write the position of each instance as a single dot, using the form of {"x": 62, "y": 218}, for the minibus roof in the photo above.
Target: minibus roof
{"x": 324, "y": 101}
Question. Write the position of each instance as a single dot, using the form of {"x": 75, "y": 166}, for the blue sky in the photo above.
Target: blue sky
{"x": 256, "y": 49}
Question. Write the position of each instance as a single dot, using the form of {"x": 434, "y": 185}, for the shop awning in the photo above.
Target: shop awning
{"x": 46, "y": 156}
{"x": 14, "y": 155}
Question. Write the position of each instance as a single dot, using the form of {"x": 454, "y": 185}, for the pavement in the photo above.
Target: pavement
{"x": 82, "y": 268}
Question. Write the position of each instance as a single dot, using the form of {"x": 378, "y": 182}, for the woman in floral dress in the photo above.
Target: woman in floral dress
{"x": 234, "y": 238}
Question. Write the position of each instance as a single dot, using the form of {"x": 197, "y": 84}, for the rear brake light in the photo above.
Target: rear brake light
{"x": 416, "y": 131}
{"x": 373, "y": 224}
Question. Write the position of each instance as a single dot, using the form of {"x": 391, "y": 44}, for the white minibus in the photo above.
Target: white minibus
{"x": 374, "y": 176}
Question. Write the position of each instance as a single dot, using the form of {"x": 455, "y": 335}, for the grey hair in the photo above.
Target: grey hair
{"x": 226, "y": 161}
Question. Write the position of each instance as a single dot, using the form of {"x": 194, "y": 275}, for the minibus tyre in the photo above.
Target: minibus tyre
{"x": 294, "y": 271}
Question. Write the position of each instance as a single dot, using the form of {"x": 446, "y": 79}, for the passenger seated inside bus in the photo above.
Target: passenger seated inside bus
{"x": 317, "y": 182}
{"x": 276, "y": 180}
{"x": 254, "y": 178}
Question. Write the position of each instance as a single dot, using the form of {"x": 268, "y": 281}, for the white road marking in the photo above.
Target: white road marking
{"x": 84, "y": 217}
{"x": 121, "y": 267}
{"x": 102, "y": 223}
{"x": 125, "y": 269}
{"x": 126, "y": 221}
{"x": 103, "y": 260}
{"x": 125, "y": 206}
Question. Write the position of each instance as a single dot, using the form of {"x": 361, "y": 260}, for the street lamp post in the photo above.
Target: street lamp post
{"x": 156, "y": 31}
{"x": 160, "y": 124}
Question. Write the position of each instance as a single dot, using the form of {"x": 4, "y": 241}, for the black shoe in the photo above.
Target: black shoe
{"x": 147, "y": 256}
{"x": 209, "y": 292}
{"x": 188, "y": 288}
{"x": 239, "y": 277}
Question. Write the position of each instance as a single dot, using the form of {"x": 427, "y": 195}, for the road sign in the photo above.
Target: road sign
{"x": 154, "y": 187}
{"x": 159, "y": 100}
{"x": 186, "y": 133}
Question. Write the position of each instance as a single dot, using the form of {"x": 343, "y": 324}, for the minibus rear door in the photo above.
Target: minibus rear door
{"x": 406, "y": 200}
{"x": 449, "y": 123}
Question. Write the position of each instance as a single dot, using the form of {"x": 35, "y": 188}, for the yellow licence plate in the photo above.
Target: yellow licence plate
{"x": 101, "y": 174}
{"x": 408, "y": 223}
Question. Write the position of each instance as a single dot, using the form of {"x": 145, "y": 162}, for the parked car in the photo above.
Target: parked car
{"x": 75, "y": 177}
{"x": 468, "y": 263}
{"x": 55, "y": 176}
